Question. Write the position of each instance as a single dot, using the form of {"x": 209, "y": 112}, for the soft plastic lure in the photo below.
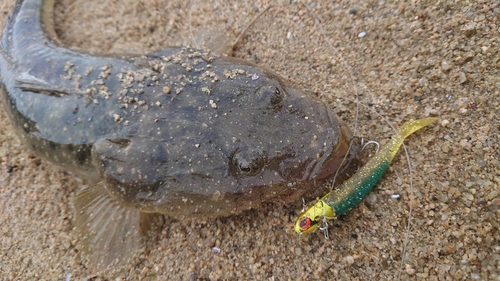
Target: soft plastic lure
{"x": 356, "y": 188}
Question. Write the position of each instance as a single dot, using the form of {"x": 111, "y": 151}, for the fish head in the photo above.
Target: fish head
{"x": 235, "y": 137}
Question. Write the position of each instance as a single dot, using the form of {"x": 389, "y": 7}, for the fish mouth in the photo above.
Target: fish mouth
{"x": 340, "y": 156}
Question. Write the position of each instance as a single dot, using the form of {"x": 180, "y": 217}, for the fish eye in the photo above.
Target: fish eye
{"x": 248, "y": 162}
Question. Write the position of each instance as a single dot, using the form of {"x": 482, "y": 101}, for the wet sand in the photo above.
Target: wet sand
{"x": 418, "y": 59}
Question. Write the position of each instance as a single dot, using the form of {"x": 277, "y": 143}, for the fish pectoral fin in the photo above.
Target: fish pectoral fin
{"x": 111, "y": 235}
{"x": 29, "y": 83}
{"x": 150, "y": 225}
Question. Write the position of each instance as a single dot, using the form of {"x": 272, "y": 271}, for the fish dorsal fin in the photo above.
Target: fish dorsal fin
{"x": 110, "y": 234}
{"x": 214, "y": 40}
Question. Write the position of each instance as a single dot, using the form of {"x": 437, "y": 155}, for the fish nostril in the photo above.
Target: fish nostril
{"x": 277, "y": 97}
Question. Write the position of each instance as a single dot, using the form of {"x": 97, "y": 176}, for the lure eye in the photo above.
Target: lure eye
{"x": 305, "y": 223}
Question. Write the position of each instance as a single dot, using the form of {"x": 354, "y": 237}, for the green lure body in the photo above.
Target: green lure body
{"x": 356, "y": 188}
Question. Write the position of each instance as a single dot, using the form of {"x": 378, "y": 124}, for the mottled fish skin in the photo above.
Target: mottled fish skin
{"x": 179, "y": 131}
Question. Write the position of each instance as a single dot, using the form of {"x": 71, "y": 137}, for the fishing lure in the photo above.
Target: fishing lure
{"x": 356, "y": 188}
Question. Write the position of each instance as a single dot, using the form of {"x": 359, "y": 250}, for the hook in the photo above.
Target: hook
{"x": 371, "y": 142}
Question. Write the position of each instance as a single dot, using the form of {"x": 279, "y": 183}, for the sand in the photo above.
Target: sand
{"x": 409, "y": 59}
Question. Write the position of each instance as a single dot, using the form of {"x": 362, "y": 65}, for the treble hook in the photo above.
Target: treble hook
{"x": 371, "y": 142}
{"x": 324, "y": 228}
{"x": 304, "y": 205}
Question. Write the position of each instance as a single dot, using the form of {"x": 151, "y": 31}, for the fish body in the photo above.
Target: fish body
{"x": 180, "y": 132}
{"x": 356, "y": 188}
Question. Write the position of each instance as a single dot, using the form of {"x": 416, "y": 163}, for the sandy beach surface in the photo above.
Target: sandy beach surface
{"x": 408, "y": 59}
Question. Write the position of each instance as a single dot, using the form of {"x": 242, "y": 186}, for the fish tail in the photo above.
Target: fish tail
{"x": 410, "y": 127}
{"x": 28, "y": 26}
